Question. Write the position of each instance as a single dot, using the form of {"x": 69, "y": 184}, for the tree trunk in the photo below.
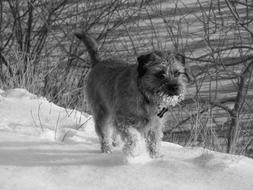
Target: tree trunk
{"x": 233, "y": 133}
{"x": 243, "y": 87}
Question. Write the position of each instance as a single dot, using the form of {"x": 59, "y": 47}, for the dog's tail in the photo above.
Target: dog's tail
{"x": 91, "y": 45}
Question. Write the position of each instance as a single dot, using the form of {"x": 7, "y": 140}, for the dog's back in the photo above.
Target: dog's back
{"x": 108, "y": 81}
{"x": 102, "y": 77}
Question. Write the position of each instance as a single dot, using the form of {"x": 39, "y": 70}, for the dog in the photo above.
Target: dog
{"x": 130, "y": 99}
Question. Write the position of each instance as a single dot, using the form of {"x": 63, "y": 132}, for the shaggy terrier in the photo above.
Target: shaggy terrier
{"x": 130, "y": 99}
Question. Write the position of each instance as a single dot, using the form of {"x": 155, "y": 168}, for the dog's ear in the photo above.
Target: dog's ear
{"x": 187, "y": 70}
{"x": 142, "y": 61}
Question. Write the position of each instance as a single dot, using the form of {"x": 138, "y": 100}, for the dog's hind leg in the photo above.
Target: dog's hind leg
{"x": 103, "y": 128}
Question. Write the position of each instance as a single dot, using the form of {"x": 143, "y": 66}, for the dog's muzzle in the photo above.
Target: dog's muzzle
{"x": 166, "y": 101}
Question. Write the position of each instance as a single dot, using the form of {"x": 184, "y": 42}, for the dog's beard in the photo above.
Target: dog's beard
{"x": 167, "y": 101}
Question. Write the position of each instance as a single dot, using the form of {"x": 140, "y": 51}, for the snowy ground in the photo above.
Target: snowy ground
{"x": 43, "y": 146}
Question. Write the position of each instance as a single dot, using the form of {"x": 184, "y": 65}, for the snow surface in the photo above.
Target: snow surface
{"x": 44, "y": 146}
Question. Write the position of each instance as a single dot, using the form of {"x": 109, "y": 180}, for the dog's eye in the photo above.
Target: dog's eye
{"x": 160, "y": 74}
{"x": 176, "y": 73}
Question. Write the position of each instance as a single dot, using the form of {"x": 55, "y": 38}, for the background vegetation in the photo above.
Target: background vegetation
{"x": 38, "y": 51}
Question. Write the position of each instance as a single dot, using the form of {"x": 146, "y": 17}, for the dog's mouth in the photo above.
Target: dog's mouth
{"x": 166, "y": 101}
{"x": 169, "y": 100}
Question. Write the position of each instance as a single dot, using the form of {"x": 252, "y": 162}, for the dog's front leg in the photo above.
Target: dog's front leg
{"x": 134, "y": 143}
{"x": 153, "y": 141}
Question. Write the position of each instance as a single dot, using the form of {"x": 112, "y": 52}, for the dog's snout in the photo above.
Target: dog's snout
{"x": 173, "y": 89}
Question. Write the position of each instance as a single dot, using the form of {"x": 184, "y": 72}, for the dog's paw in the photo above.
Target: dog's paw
{"x": 106, "y": 149}
{"x": 142, "y": 158}
{"x": 157, "y": 156}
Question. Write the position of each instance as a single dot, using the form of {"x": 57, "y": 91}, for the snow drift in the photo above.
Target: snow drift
{"x": 44, "y": 146}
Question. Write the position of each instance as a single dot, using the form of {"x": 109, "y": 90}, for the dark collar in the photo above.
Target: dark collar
{"x": 147, "y": 100}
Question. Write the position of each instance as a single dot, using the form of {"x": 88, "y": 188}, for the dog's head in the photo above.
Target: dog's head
{"x": 164, "y": 76}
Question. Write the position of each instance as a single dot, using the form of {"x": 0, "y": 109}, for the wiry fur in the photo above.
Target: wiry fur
{"x": 125, "y": 97}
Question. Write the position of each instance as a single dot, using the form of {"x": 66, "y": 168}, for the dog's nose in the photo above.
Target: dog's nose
{"x": 173, "y": 89}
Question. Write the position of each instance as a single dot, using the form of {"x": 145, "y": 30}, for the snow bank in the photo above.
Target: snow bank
{"x": 25, "y": 113}
{"x": 33, "y": 155}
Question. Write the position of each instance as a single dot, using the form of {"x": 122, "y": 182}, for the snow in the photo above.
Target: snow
{"x": 44, "y": 146}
